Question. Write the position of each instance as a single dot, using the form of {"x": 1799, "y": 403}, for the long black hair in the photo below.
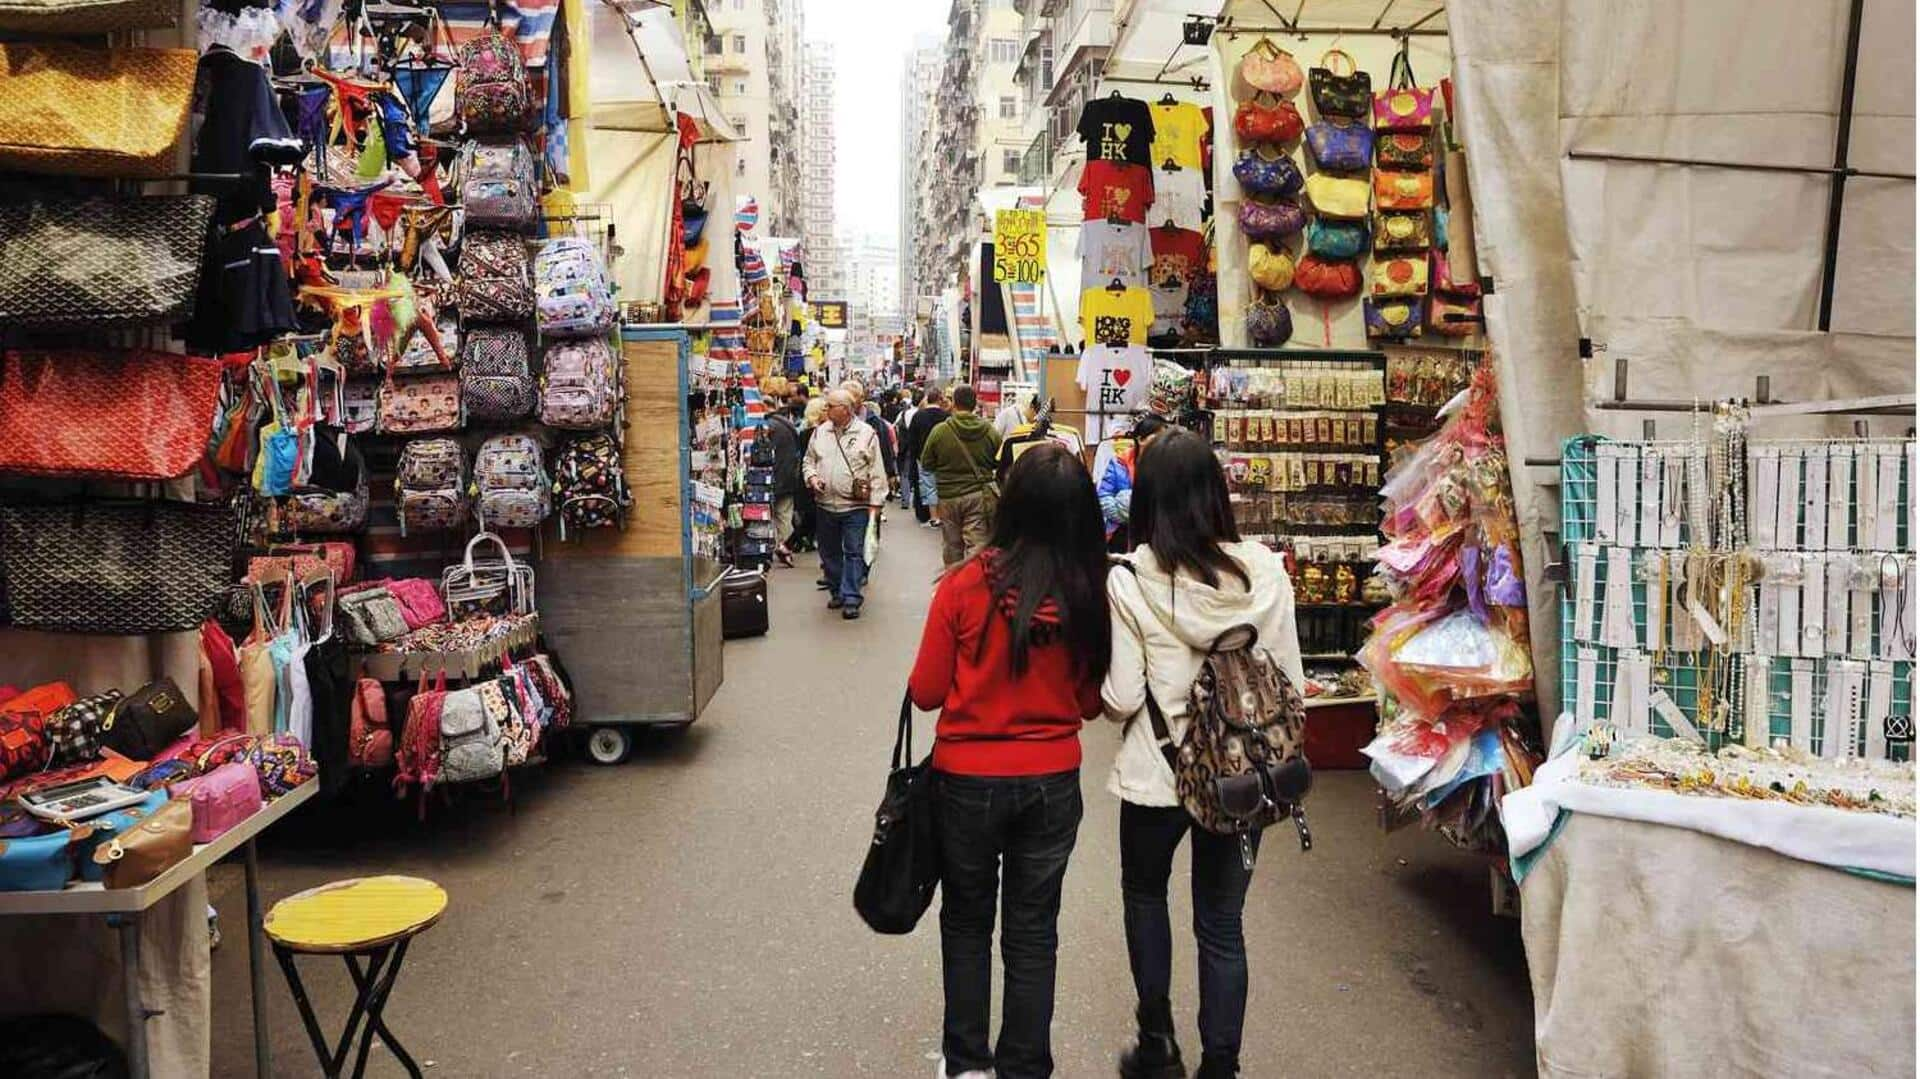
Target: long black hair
{"x": 1049, "y": 544}
{"x": 1181, "y": 509}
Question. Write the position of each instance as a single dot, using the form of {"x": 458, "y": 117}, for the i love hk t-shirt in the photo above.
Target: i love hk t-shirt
{"x": 1116, "y": 383}
{"x": 1124, "y": 192}
{"x": 1117, "y": 129}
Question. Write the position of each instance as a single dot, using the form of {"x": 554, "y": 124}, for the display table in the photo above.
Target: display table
{"x": 128, "y": 909}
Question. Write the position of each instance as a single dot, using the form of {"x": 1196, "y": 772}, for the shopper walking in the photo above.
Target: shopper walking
{"x": 1015, "y": 644}
{"x": 1192, "y": 579}
{"x": 809, "y": 412}
{"x": 783, "y": 434}
{"x": 842, "y": 466}
{"x": 881, "y": 429}
{"x": 909, "y": 468}
{"x": 931, "y": 414}
{"x": 960, "y": 453}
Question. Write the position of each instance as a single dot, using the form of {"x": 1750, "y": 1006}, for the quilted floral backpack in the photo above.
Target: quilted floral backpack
{"x": 580, "y": 389}
{"x": 494, "y": 95}
{"x": 430, "y": 485}
{"x": 496, "y": 281}
{"x": 496, "y": 379}
{"x": 572, "y": 295}
{"x": 590, "y": 485}
{"x": 510, "y": 488}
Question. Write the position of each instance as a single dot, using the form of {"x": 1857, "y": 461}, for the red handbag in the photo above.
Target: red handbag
{"x": 1266, "y": 118}
{"x": 1326, "y": 279}
{"x": 23, "y": 727}
{"x": 105, "y": 414}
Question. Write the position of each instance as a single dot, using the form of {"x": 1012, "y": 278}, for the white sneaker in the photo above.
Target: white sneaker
{"x": 940, "y": 1072}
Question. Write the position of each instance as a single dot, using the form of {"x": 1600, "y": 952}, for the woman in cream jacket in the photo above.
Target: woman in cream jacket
{"x": 1192, "y": 579}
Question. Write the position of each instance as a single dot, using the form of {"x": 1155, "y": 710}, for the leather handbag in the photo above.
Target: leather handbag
{"x": 1405, "y": 275}
{"x": 1270, "y": 69}
{"x": 101, "y": 262}
{"x": 1267, "y": 172}
{"x": 1271, "y": 268}
{"x": 1269, "y": 323}
{"x": 1271, "y": 220}
{"x": 148, "y": 720}
{"x": 1334, "y": 239}
{"x": 148, "y": 849}
{"x": 1340, "y": 147}
{"x": 1395, "y": 318}
{"x": 75, "y": 111}
{"x": 1266, "y": 118}
{"x": 419, "y": 406}
{"x": 1402, "y": 106}
{"x": 1326, "y": 279}
{"x": 1407, "y": 151}
{"x": 223, "y": 798}
{"x": 1402, "y": 190}
{"x": 901, "y": 867}
{"x": 1345, "y": 94}
{"x": 105, "y": 413}
{"x": 419, "y": 600}
{"x": 85, "y": 16}
{"x": 124, "y": 568}
{"x": 1402, "y": 230}
{"x": 1337, "y": 196}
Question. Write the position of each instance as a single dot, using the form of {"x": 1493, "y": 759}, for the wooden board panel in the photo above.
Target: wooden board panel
{"x": 1068, "y": 397}
{"x": 708, "y": 649}
{"x": 653, "y": 463}
{"x": 624, "y": 630}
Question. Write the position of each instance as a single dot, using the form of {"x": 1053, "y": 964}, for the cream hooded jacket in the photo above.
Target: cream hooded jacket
{"x": 1162, "y": 628}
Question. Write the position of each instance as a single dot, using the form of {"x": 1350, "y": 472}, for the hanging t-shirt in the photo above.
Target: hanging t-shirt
{"x": 1177, "y": 131}
{"x": 1110, "y": 252}
{"x": 1119, "y": 191}
{"x": 1116, "y": 383}
{"x": 1169, "y": 309}
{"x": 1178, "y": 255}
{"x": 1179, "y": 196}
{"x": 1118, "y": 129}
{"x": 1109, "y": 317}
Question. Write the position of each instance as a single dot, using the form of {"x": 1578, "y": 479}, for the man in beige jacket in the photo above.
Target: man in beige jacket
{"x": 844, "y": 469}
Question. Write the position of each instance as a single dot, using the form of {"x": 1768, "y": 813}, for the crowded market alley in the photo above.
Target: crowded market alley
{"x": 689, "y": 913}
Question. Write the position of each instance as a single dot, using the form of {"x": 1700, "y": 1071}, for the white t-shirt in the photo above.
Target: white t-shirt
{"x": 1116, "y": 383}
{"x": 1169, "y": 308}
{"x": 1109, "y": 251}
{"x": 1180, "y": 195}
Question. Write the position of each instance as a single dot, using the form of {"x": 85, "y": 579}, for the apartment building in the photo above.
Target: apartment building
{"x": 1064, "y": 44}
{"x": 918, "y": 82}
{"x": 818, "y": 149}
{"x": 872, "y": 267}
{"x": 751, "y": 66}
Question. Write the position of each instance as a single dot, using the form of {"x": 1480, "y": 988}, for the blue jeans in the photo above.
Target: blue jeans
{"x": 843, "y": 552}
{"x": 1005, "y": 838}
{"x": 929, "y": 493}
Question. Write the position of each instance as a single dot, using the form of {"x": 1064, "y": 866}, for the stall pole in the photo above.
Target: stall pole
{"x": 136, "y": 1011}
{"x": 1837, "y": 189}
{"x": 256, "y": 965}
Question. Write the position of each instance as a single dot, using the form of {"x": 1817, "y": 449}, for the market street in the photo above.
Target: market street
{"x": 688, "y": 913}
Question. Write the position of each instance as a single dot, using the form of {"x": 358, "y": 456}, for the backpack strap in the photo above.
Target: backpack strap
{"x": 1162, "y": 734}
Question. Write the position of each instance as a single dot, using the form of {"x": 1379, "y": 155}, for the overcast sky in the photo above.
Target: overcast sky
{"x": 871, "y": 43}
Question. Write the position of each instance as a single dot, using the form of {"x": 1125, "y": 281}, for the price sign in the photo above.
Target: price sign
{"x": 1019, "y": 245}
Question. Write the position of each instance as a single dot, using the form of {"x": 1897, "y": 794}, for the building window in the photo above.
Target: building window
{"x": 739, "y": 86}
{"x": 1010, "y": 161}
{"x": 1009, "y": 108}
{"x": 739, "y": 122}
{"x": 740, "y": 165}
{"x": 1003, "y": 50}
{"x": 740, "y": 44}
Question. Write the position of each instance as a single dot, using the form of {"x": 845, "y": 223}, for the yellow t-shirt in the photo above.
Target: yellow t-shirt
{"x": 1177, "y": 131}
{"x": 1116, "y": 318}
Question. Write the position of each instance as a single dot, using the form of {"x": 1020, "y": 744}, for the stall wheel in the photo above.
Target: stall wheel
{"x": 609, "y": 745}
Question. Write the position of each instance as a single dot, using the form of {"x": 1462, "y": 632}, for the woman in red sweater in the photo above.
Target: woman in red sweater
{"x": 1014, "y": 651}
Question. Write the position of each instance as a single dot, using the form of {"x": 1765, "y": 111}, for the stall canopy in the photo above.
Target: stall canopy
{"x": 639, "y": 79}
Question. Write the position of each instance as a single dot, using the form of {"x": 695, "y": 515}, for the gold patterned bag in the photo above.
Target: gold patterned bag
{"x": 76, "y": 111}
{"x": 85, "y": 16}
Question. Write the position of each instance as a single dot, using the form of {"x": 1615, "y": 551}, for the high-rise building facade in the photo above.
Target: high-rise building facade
{"x": 818, "y": 163}
{"x": 752, "y": 67}
{"x": 918, "y": 82}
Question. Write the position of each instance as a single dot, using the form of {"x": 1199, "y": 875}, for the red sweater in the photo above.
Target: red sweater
{"x": 992, "y": 724}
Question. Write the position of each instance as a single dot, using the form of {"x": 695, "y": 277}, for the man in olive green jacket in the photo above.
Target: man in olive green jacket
{"x": 960, "y": 453}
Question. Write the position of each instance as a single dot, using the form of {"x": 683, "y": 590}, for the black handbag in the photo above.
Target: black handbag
{"x": 101, "y": 262}
{"x": 149, "y": 720}
{"x": 902, "y": 866}
{"x": 125, "y": 567}
{"x": 1342, "y": 95}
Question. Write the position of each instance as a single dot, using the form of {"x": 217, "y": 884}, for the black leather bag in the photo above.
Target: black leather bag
{"x": 149, "y": 720}
{"x": 100, "y": 262}
{"x": 1342, "y": 95}
{"x": 127, "y": 567}
{"x": 902, "y": 866}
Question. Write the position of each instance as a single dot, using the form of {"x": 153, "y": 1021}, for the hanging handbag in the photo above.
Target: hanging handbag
{"x": 76, "y": 111}
{"x": 101, "y": 262}
{"x": 1402, "y": 190}
{"x": 1406, "y": 151}
{"x": 148, "y": 720}
{"x": 1402, "y": 106}
{"x": 1337, "y": 196}
{"x": 1395, "y": 318}
{"x": 1405, "y": 275}
{"x": 1269, "y": 323}
{"x": 901, "y": 868}
{"x": 1270, "y": 69}
{"x": 85, "y": 16}
{"x": 1341, "y": 147}
{"x": 1453, "y": 309}
{"x": 496, "y": 278}
{"x": 256, "y": 667}
{"x": 359, "y": 406}
{"x": 1266, "y": 118}
{"x": 1271, "y": 268}
{"x": 1271, "y": 220}
{"x": 417, "y": 406}
{"x": 115, "y": 567}
{"x": 488, "y": 586}
{"x": 105, "y": 414}
{"x": 1347, "y": 95}
{"x": 329, "y": 511}
{"x": 1326, "y": 279}
{"x": 1402, "y": 230}
{"x": 1267, "y": 172}
{"x": 1331, "y": 238}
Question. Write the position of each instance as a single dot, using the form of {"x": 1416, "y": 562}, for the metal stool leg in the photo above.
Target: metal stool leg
{"x": 332, "y": 1060}
{"x": 376, "y": 1011}
{"x": 307, "y": 1019}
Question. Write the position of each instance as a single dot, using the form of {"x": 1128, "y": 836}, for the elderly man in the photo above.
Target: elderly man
{"x": 881, "y": 428}
{"x": 843, "y": 470}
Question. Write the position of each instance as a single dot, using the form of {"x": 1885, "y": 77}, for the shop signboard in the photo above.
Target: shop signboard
{"x": 830, "y": 314}
{"x": 1019, "y": 246}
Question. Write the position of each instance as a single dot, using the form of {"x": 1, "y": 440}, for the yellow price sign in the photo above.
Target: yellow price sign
{"x": 1019, "y": 245}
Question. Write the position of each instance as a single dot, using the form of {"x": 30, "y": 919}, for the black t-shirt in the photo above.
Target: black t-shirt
{"x": 242, "y": 130}
{"x": 1117, "y": 129}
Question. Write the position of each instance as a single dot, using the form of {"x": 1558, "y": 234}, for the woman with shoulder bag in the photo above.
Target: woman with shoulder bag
{"x": 1013, "y": 652}
{"x": 1189, "y": 579}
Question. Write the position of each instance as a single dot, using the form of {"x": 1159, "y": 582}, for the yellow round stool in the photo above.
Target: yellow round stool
{"x": 370, "y": 918}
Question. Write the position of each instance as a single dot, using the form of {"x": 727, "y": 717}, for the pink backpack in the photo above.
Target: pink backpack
{"x": 369, "y": 739}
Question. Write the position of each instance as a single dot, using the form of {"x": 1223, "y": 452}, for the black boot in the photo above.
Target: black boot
{"x": 1215, "y": 1066}
{"x": 1155, "y": 1055}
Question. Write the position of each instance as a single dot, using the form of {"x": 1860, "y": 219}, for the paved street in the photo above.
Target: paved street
{"x": 688, "y": 914}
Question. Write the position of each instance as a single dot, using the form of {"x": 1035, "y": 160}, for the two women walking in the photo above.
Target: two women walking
{"x": 1023, "y": 642}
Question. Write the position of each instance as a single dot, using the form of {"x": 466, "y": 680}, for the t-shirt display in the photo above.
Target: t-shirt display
{"x": 1118, "y": 191}
{"x": 1115, "y": 380}
{"x": 1178, "y": 255}
{"x": 1111, "y": 316}
{"x": 1179, "y": 196}
{"x": 1178, "y": 130}
{"x": 1110, "y": 252}
{"x": 1117, "y": 129}
{"x": 1169, "y": 309}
